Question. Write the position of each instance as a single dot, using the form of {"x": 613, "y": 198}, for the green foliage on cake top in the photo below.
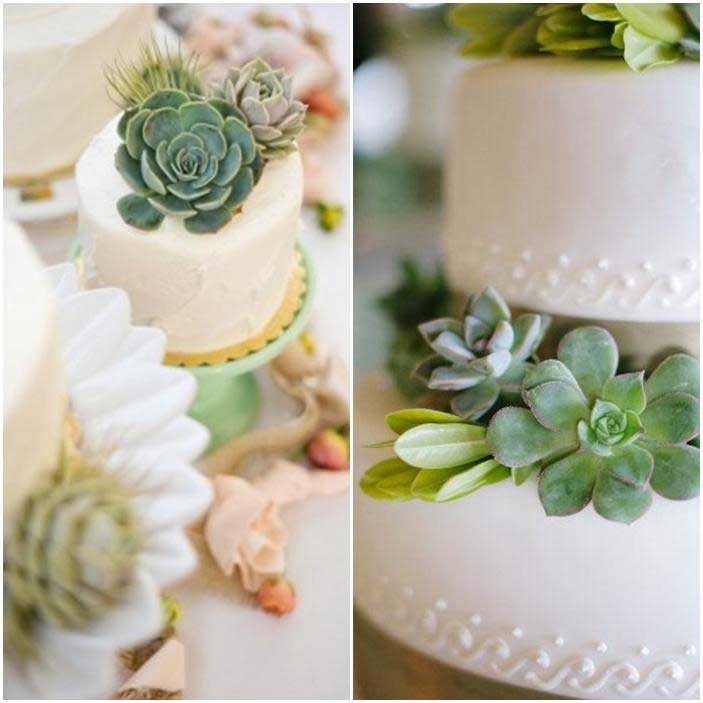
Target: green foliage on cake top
{"x": 482, "y": 358}
{"x": 132, "y": 82}
{"x": 265, "y": 97}
{"x": 645, "y": 35}
{"x": 70, "y": 556}
{"x": 591, "y": 435}
{"x": 191, "y": 159}
{"x": 194, "y": 151}
{"x": 417, "y": 297}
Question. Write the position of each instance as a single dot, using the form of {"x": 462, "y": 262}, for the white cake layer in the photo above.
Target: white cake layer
{"x": 578, "y": 606}
{"x": 572, "y": 187}
{"x": 55, "y": 93}
{"x": 206, "y": 292}
{"x": 34, "y": 399}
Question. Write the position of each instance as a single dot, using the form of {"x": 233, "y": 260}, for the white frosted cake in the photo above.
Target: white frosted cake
{"x": 204, "y": 292}
{"x": 191, "y": 201}
{"x": 55, "y": 96}
{"x": 34, "y": 402}
{"x": 572, "y": 187}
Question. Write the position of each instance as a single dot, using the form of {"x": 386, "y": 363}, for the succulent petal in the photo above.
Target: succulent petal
{"x": 161, "y": 125}
{"x": 475, "y": 402}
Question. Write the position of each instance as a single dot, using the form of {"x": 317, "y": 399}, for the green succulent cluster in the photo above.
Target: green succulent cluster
{"x": 70, "y": 556}
{"x": 265, "y": 97}
{"x": 597, "y": 435}
{"x": 589, "y": 433}
{"x": 645, "y": 35}
{"x": 418, "y": 296}
{"x": 482, "y": 358}
{"x": 190, "y": 159}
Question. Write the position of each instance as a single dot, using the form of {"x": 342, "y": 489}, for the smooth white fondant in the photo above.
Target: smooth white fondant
{"x": 205, "y": 292}
{"x": 576, "y": 606}
{"x": 34, "y": 401}
{"x": 572, "y": 187}
{"x": 55, "y": 96}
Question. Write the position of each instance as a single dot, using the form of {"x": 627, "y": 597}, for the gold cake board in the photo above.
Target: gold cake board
{"x": 292, "y": 300}
{"x": 385, "y": 669}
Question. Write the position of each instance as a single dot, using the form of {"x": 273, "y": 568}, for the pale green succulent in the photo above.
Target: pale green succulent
{"x": 195, "y": 160}
{"x": 70, "y": 556}
{"x": 645, "y": 35}
{"x": 603, "y": 436}
{"x": 483, "y": 357}
{"x": 265, "y": 97}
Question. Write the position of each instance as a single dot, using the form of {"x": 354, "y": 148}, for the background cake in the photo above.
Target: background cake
{"x": 34, "y": 400}
{"x": 55, "y": 97}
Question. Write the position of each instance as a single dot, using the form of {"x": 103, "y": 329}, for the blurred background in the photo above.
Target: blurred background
{"x": 405, "y": 61}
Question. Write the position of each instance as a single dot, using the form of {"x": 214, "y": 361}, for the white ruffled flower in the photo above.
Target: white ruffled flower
{"x": 131, "y": 411}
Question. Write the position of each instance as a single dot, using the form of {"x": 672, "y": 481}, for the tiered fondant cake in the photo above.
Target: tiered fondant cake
{"x": 572, "y": 186}
{"x": 55, "y": 97}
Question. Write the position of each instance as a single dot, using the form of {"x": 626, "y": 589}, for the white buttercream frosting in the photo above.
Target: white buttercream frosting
{"x": 34, "y": 400}
{"x": 55, "y": 96}
{"x": 572, "y": 187}
{"x": 206, "y": 292}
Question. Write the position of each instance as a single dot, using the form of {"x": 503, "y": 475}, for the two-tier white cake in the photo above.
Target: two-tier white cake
{"x": 572, "y": 187}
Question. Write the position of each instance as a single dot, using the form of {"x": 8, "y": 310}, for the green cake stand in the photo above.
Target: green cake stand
{"x": 228, "y": 400}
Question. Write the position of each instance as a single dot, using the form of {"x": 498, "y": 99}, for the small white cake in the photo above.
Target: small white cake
{"x": 55, "y": 94}
{"x": 34, "y": 399}
{"x": 206, "y": 292}
{"x": 572, "y": 187}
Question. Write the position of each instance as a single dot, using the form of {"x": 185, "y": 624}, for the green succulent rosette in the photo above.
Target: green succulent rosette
{"x": 264, "y": 96}
{"x": 645, "y": 35}
{"x": 482, "y": 358}
{"x": 193, "y": 159}
{"x": 600, "y": 436}
{"x": 70, "y": 556}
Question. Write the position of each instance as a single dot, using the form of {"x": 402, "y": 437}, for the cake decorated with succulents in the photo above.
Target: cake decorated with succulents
{"x": 54, "y": 53}
{"x": 529, "y": 528}
{"x": 190, "y": 200}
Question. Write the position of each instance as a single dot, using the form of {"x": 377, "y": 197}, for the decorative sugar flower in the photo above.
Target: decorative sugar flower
{"x": 483, "y": 357}
{"x": 243, "y": 529}
{"x": 92, "y": 547}
{"x": 603, "y": 436}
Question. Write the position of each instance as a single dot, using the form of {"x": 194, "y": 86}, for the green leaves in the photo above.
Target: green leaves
{"x": 645, "y": 35}
{"x": 590, "y": 353}
{"x": 677, "y": 471}
{"x": 138, "y": 212}
{"x": 442, "y": 446}
{"x": 517, "y": 439}
{"x": 389, "y": 480}
{"x": 565, "y": 487}
{"x": 678, "y": 372}
{"x": 626, "y": 391}
{"x": 672, "y": 418}
{"x": 403, "y": 420}
{"x": 556, "y": 405}
{"x": 619, "y": 501}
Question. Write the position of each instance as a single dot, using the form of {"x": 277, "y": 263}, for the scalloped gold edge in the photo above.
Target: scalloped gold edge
{"x": 292, "y": 302}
